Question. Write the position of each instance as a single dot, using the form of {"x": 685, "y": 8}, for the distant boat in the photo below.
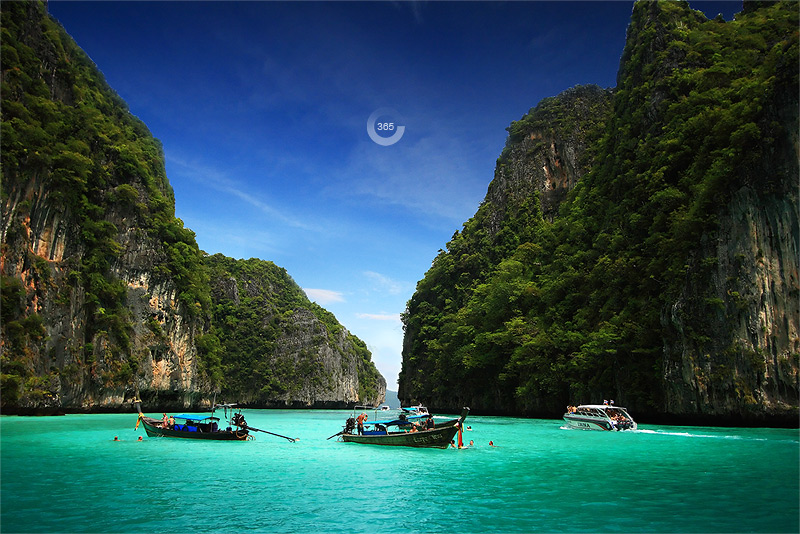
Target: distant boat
{"x": 385, "y": 408}
{"x": 414, "y": 413}
{"x": 415, "y": 410}
{"x": 599, "y": 417}
{"x": 404, "y": 433}
{"x": 190, "y": 426}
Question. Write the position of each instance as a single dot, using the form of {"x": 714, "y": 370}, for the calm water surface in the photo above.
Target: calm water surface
{"x": 65, "y": 474}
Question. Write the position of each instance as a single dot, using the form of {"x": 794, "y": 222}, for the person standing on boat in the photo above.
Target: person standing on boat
{"x": 360, "y": 421}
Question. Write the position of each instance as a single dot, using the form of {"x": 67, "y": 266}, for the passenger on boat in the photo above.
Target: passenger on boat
{"x": 165, "y": 421}
{"x": 360, "y": 421}
{"x": 171, "y": 421}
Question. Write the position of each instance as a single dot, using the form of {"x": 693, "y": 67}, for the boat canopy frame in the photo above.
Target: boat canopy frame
{"x": 194, "y": 417}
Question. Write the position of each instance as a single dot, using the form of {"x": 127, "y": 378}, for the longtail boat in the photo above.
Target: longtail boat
{"x": 189, "y": 426}
{"x": 403, "y": 433}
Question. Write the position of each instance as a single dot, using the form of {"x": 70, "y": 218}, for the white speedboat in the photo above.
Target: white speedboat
{"x": 414, "y": 410}
{"x": 414, "y": 413}
{"x": 599, "y": 417}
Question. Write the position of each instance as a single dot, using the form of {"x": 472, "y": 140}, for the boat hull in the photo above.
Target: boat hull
{"x": 437, "y": 438}
{"x": 592, "y": 423}
{"x": 154, "y": 431}
{"x": 445, "y": 424}
{"x": 587, "y": 423}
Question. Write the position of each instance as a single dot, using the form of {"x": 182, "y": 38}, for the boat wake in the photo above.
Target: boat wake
{"x": 693, "y": 435}
{"x": 688, "y": 434}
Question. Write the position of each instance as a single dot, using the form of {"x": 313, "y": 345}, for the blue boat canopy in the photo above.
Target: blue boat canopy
{"x": 190, "y": 417}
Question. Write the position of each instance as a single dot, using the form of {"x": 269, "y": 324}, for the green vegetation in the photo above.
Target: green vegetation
{"x": 532, "y": 315}
{"x": 69, "y": 143}
{"x": 72, "y": 150}
{"x": 261, "y": 341}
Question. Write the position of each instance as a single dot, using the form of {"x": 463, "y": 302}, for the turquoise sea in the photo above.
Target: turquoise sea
{"x": 66, "y": 474}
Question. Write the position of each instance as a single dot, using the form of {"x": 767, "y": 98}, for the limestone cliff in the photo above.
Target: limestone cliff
{"x": 740, "y": 357}
{"x": 546, "y": 151}
{"x": 281, "y": 349}
{"x": 91, "y": 309}
{"x": 639, "y": 244}
{"x": 105, "y": 292}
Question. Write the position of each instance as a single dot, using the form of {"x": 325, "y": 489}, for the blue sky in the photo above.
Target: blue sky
{"x": 263, "y": 108}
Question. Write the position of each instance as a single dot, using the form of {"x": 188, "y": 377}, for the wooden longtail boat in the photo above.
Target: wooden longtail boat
{"x": 395, "y": 433}
{"x": 187, "y": 426}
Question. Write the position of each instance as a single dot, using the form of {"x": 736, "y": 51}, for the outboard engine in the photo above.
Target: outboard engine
{"x": 349, "y": 425}
{"x": 238, "y": 420}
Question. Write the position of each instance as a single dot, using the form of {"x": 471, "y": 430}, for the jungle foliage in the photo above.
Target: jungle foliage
{"x": 69, "y": 141}
{"x": 533, "y": 315}
{"x": 70, "y": 146}
{"x": 257, "y": 309}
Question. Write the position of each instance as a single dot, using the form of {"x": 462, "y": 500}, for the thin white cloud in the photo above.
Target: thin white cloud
{"x": 216, "y": 235}
{"x": 441, "y": 173}
{"x": 379, "y": 316}
{"x": 219, "y": 181}
{"x": 384, "y": 283}
{"x": 324, "y": 296}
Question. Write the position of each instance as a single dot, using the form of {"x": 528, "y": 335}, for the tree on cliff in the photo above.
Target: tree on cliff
{"x": 621, "y": 291}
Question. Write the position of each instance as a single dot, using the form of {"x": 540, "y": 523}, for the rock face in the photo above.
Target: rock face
{"x": 639, "y": 244}
{"x": 545, "y": 154}
{"x": 456, "y": 308}
{"x": 91, "y": 309}
{"x": 105, "y": 293}
{"x": 742, "y": 285}
{"x": 752, "y": 355}
{"x": 282, "y": 350}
